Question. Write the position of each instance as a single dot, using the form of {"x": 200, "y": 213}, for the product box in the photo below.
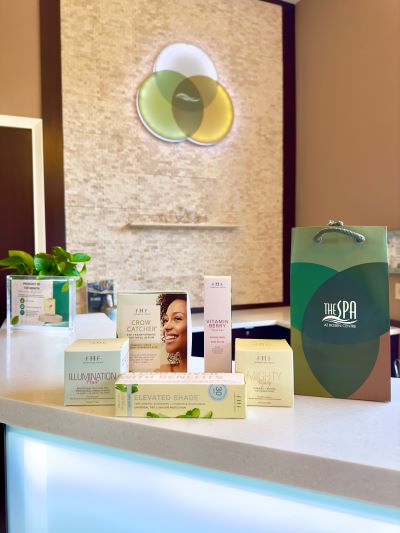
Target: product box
{"x": 34, "y": 302}
{"x": 91, "y": 367}
{"x": 268, "y": 368}
{"x": 186, "y": 395}
{"x": 217, "y": 324}
{"x": 159, "y": 328}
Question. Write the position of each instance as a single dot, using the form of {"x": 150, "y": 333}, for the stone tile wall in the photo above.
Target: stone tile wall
{"x": 117, "y": 173}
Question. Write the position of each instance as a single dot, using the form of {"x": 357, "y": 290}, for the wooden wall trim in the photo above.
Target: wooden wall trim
{"x": 51, "y": 90}
{"x": 289, "y": 141}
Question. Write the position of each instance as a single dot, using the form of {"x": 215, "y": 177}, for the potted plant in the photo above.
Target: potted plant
{"x": 41, "y": 289}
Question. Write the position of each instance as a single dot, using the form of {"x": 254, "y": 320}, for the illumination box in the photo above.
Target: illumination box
{"x": 186, "y": 395}
{"x": 91, "y": 368}
{"x": 268, "y": 368}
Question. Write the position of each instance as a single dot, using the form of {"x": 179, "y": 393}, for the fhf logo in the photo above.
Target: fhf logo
{"x": 340, "y": 314}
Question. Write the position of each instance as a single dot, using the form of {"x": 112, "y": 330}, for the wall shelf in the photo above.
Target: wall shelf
{"x": 165, "y": 225}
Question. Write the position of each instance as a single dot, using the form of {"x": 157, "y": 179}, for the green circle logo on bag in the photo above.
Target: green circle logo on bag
{"x": 347, "y": 309}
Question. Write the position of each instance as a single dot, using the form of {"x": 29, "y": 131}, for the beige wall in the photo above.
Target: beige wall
{"x": 19, "y": 58}
{"x": 348, "y": 114}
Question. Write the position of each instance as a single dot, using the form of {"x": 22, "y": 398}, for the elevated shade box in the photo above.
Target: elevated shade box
{"x": 41, "y": 301}
{"x": 186, "y": 395}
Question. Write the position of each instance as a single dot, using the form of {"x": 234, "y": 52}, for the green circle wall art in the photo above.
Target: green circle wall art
{"x": 183, "y": 100}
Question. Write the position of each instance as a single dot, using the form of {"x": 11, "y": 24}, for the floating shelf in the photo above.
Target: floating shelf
{"x": 165, "y": 225}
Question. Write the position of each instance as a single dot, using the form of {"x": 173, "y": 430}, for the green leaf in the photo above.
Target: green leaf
{"x": 27, "y": 258}
{"x": 60, "y": 253}
{"x": 194, "y": 413}
{"x": 12, "y": 261}
{"x": 71, "y": 270}
{"x": 15, "y": 320}
{"x": 156, "y": 415}
{"x": 60, "y": 266}
{"x": 135, "y": 388}
{"x": 79, "y": 257}
{"x": 20, "y": 269}
{"x": 79, "y": 282}
{"x": 121, "y": 387}
{"x": 43, "y": 264}
{"x": 83, "y": 270}
{"x": 208, "y": 415}
{"x": 65, "y": 287}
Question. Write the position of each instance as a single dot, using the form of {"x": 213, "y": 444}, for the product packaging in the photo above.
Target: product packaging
{"x": 34, "y": 302}
{"x": 340, "y": 312}
{"x": 91, "y": 367}
{"x": 267, "y": 365}
{"x": 158, "y": 325}
{"x": 217, "y": 324}
{"x": 160, "y": 395}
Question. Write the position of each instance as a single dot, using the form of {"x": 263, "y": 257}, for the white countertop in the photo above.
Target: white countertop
{"x": 343, "y": 447}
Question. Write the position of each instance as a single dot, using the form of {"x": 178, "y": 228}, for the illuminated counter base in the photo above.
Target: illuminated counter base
{"x": 70, "y": 485}
{"x": 227, "y": 475}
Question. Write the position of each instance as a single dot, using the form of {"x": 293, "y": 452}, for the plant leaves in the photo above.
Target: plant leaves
{"x": 43, "y": 265}
{"x": 121, "y": 387}
{"x": 65, "y": 287}
{"x": 12, "y": 261}
{"x": 15, "y": 320}
{"x": 194, "y": 413}
{"x": 135, "y": 388}
{"x": 71, "y": 270}
{"x": 156, "y": 415}
{"x": 60, "y": 253}
{"x": 208, "y": 415}
{"x": 27, "y": 258}
{"x": 79, "y": 257}
{"x": 60, "y": 266}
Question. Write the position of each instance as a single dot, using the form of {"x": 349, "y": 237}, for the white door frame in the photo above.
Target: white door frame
{"x": 35, "y": 125}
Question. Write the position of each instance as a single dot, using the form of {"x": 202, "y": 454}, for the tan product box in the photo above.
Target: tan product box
{"x": 217, "y": 324}
{"x": 268, "y": 368}
{"x": 181, "y": 395}
{"x": 158, "y": 325}
{"x": 91, "y": 367}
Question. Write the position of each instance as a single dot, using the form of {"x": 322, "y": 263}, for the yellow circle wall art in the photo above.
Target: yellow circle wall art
{"x": 183, "y": 100}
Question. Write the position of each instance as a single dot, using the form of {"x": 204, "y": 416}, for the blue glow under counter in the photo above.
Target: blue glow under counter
{"x": 59, "y": 485}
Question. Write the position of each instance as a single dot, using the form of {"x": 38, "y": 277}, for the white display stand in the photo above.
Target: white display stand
{"x": 347, "y": 451}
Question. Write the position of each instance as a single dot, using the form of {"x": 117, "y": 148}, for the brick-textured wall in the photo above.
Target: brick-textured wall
{"x": 117, "y": 173}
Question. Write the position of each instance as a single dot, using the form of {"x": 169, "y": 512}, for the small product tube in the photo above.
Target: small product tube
{"x": 217, "y": 324}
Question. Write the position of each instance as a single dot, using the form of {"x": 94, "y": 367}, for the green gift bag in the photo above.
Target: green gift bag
{"x": 339, "y": 300}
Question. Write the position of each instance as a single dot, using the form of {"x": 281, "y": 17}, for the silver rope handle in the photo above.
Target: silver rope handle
{"x": 336, "y": 226}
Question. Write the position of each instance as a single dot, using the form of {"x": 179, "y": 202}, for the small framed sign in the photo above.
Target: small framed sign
{"x": 40, "y": 301}
{"x": 394, "y": 251}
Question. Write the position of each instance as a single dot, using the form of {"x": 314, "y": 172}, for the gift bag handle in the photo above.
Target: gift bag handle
{"x": 336, "y": 226}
